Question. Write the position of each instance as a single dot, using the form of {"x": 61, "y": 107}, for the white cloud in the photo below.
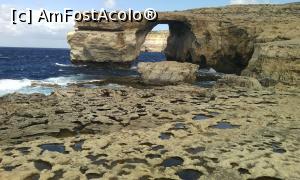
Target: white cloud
{"x": 242, "y": 1}
{"x": 41, "y": 34}
{"x": 110, "y": 3}
{"x": 250, "y": 1}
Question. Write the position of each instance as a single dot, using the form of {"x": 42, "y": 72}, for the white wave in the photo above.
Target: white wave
{"x": 66, "y": 80}
{"x": 26, "y": 86}
{"x": 133, "y": 67}
{"x": 212, "y": 71}
{"x": 64, "y": 65}
{"x": 208, "y": 71}
{"x": 112, "y": 86}
{"x": 69, "y": 65}
{"x": 37, "y": 89}
{"x": 8, "y": 86}
{"x": 61, "y": 81}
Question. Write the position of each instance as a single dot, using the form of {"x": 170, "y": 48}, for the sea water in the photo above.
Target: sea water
{"x": 22, "y": 68}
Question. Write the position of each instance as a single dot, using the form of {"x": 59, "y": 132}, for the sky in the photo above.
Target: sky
{"x": 53, "y": 35}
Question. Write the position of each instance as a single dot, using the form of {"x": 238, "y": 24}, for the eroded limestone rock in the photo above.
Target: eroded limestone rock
{"x": 156, "y": 41}
{"x": 168, "y": 72}
{"x": 222, "y": 38}
{"x": 276, "y": 62}
{"x": 263, "y": 145}
{"x": 238, "y": 81}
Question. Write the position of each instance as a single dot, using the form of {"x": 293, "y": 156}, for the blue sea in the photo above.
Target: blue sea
{"x": 20, "y": 68}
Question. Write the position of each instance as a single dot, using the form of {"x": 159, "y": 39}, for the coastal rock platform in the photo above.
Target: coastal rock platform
{"x": 175, "y": 132}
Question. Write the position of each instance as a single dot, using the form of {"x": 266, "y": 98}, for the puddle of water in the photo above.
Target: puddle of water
{"x": 153, "y": 156}
{"x": 201, "y": 117}
{"x": 165, "y": 136}
{"x": 10, "y": 168}
{"x": 243, "y": 171}
{"x": 225, "y": 125}
{"x": 158, "y": 147}
{"x": 163, "y": 151}
{"x": 233, "y": 164}
{"x": 123, "y": 172}
{"x": 195, "y": 150}
{"x": 266, "y": 178}
{"x": 42, "y": 165}
{"x": 78, "y": 145}
{"x": 180, "y": 126}
{"x": 189, "y": 174}
{"x": 83, "y": 169}
{"x": 145, "y": 177}
{"x": 172, "y": 161}
{"x": 136, "y": 161}
{"x": 101, "y": 162}
{"x": 95, "y": 157}
{"x": 34, "y": 177}
{"x": 24, "y": 150}
{"x": 93, "y": 176}
{"x": 277, "y": 149}
{"x": 53, "y": 148}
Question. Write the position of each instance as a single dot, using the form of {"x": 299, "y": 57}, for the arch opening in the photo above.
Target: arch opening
{"x": 175, "y": 44}
{"x": 155, "y": 42}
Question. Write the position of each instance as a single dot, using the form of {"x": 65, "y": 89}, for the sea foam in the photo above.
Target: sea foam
{"x": 69, "y": 65}
{"x": 10, "y": 85}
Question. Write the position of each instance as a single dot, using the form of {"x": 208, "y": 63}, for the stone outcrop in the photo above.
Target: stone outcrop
{"x": 168, "y": 72}
{"x": 222, "y": 38}
{"x": 156, "y": 41}
{"x": 275, "y": 62}
{"x": 234, "y": 81}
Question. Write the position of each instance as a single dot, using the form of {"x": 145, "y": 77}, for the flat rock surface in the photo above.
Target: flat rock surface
{"x": 167, "y": 72}
{"x": 176, "y": 132}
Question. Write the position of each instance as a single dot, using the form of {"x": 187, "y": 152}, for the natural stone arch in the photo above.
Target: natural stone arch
{"x": 179, "y": 43}
{"x": 223, "y": 45}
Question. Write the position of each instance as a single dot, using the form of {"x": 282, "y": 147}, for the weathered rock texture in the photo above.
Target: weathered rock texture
{"x": 223, "y": 38}
{"x": 129, "y": 133}
{"x": 277, "y": 61}
{"x": 156, "y": 41}
{"x": 238, "y": 81}
{"x": 168, "y": 72}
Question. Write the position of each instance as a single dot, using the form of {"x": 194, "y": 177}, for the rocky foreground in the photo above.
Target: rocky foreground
{"x": 170, "y": 132}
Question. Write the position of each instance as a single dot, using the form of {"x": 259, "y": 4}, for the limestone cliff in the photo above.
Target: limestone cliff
{"x": 223, "y": 38}
{"x": 156, "y": 41}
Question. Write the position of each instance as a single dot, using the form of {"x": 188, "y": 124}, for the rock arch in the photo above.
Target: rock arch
{"x": 223, "y": 45}
{"x": 180, "y": 41}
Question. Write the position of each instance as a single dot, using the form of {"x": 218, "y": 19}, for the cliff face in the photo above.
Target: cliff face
{"x": 156, "y": 41}
{"x": 274, "y": 62}
{"x": 222, "y": 38}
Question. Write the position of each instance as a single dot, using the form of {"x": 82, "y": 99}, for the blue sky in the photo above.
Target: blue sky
{"x": 54, "y": 35}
